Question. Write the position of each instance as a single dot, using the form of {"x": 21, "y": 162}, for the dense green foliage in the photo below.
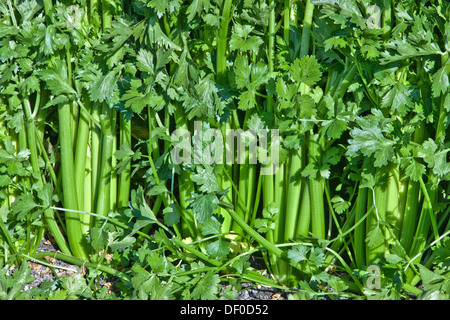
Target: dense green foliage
{"x": 92, "y": 91}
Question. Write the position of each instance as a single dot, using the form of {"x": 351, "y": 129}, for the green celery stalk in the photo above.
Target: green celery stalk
{"x": 413, "y": 196}
{"x": 286, "y": 21}
{"x": 395, "y": 195}
{"x": 48, "y": 9}
{"x": 281, "y": 201}
{"x": 189, "y": 226}
{"x": 125, "y": 176}
{"x": 271, "y": 48}
{"x": 359, "y": 246}
{"x": 221, "y": 67}
{"x": 81, "y": 148}
{"x": 107, "y": 11}
{"x": 316, "y": 190}
{"x": 93, "y": 16}
{"x": 269, "y": 188}
{"x": 107, "y": 120}
{"x": 413, "y": 200}
{"x": 247, "y": 181}
{"x": 70, "y": 200}
{"x": 379, "y": 201}
{"x": 222, "y": 42}
{"x": 113, "y": 176}
{"x": 251, "y": 191}
{"x": 294, "y": 195}
{"x": 386, "y": 19}
{"x": 95, "y": 148}
{"x": 306, "y": 30}
{"x": 304, "y": 219}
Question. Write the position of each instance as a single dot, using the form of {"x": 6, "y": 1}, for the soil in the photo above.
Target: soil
{"x": 42, "y": 273}
{"x": 261, "y": 293}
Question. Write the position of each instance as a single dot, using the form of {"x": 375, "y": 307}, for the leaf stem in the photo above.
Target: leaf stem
{"x": 306, "y": 31}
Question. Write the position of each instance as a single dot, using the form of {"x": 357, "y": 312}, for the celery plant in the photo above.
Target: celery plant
{"x": 92, "y": 92}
